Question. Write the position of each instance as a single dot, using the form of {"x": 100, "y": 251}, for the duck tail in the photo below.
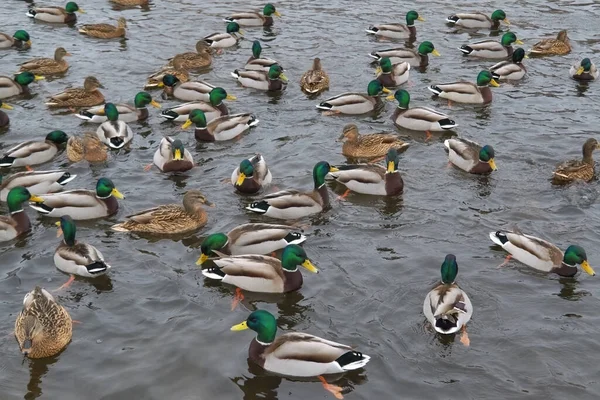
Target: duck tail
{"x": 84, "y": 115}
{"x": 31, "y": 13}
{"x": 435, "y": 89}
{"x": 352, "y": 360}
{"x": 66, "y": 178}
{"x": 447, "y": 123}
{"x": 253, "y": 121}
{"x": 375, "y": 55}
{"x": 499, "y": 237}
{"x": 453, "y": 19}
{"x": 372, "y": 30}
{"x": 294, "y": 238}
{"x": 236, "y": 74}
{"x": 97, "y": 268}
{"x": 7, "y": 161}
{"x": 445, "y": 324}
{"x": 259, "y": 207}
{"x": 324, "y": 106}
{"x": 116, "y": 142}
{"x": 41, "y": 208}
{"x": 169, "y": 114}
{"x": 213, "y": 273}
{"x": 465, "y": 49}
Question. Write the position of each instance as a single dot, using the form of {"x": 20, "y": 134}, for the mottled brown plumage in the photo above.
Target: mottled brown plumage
{"x": 202, "y": 58}
{"x": 175, "y": 68}
{"x": 48, "y": 66}
{"x": 315, "y": 80}
{"x": 583, "y": 169}
{"x": 550, "y": 47}
{"x": 105, "y": 31}
{"x": 87, "y": 96}
{"x": 130, "y": 3}
{"x": 369, "y": 146}
{"x": 86, "y": 147}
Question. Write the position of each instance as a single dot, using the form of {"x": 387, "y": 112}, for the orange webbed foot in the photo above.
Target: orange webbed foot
{"x": 464, "y": 337}
{"x": 148, "y": 167}
{"x": 237, "y": 298}
{"x": 343, "y": 197}
{"x": 506, "y": 261}
{"x": 333, "y": 389}
{"x": 67, "y": 283}
{"x": 428, "y": 136}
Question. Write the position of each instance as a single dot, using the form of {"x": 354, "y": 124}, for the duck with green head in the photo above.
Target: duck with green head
{"x": 18, "y": 86}
{"x": 467, "y": 92}
{"x": 20, "y": 40}
{"x": 219, "y": 129}
{"x": 416, "y": 58}
{"x": 491, "y": 49}
{"x": 391, "y": 76}
{"x": 255, "y": 18}
{"x": 37, "y": 182}
{"x": 510, "y": 70}
{"x": 251, "y": 175}
{"x": 584, "y": 71}
{"x": 213, "y": 109}
{"x": 4, "y": 120}
{"x": 419, "y": 118}
{"x": 272, "y": 81}
{"x": 127, "y": 112}
{"x": 171, "y": 156}
{"x": 59, "y": 15}
{"x": 470, "y": 156}
{"x": 355, "y": 103}
{"x": 223, "y": 40}
{"x": 193, "y": 90}
{"x": 34, "y": 152}
{"x": 114, "y": 133}
{"x": 397, "y": 31}
{"x": 17, "y": 222}
{"x": 256, "y": 62}
{"x": 478, "y": 20}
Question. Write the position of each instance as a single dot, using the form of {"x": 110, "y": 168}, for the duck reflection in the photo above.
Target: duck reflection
{"x": 568, "y": 289}
{"x": 37, "y": 369}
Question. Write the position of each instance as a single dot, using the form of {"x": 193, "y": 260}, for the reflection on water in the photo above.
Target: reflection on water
{"x": 37, "y": 369}
{"x": 568, "y": 290}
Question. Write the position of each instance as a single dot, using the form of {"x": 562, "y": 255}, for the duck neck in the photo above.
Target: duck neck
{"x": 202, "y": 135}
{"x": 22, "y": 220}
{"x": 509, "y": 50}
{"x": 268, "y": 20}
{"x": 111, "y": 204}
{"x": 412, "y": 30}
{"x": 324, "y": 193}
{"x": 256, "y": 350}
{"x": 142, "y": 112}
{"x": 481, "y": 168}
{"x": 486, "y": 93}
{"x": 565, "y": 270}
{"x": 394, "y": 184}
{"x": 424, "y": 60}
{"x": 587, "y": 155}
{"x": 398, "y": 112}
{"x": 293, "y": 280}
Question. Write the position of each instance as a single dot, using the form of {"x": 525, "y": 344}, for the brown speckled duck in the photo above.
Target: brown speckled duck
{"x": 87, "y": 96}
{"x": 550, "y": 47}
{"x": 48, "y": 66}
{"x": 202, "y": 58}
{"x": 105, "y": 31}
{"x": 583, "y": 169}
{"x": 86, "y": 147}
{"x": 368, "y": 146}
{"x": 315, "y": 80}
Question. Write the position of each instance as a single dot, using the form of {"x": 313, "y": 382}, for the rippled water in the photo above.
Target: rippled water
{"x": 156, "y": 330}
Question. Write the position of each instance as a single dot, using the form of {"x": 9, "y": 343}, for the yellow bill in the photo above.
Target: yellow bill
{"x": 36, "y": 199}
{"x": 231, "y": 97}
{"x": 283, "y": 77}
{"x": 241, "y": 32}
{"x": 309, "y": 266}
{"x": 390, "y": 97}
{"x": 378, "y": 70}
{"x": 492, "y": 164}
{"x": 177, "y": 155}
{"x": 587, "y": 268}
{"x": 202, "y": 259}
{"x": 6, "y": 106}
{"x": 277, "y": 14}
{"x": 494, "y": 83}
{"x": 419, "y": 18}
{"x": 579, "y": 71}
{"x": 59, "y": 232}
{"x": 240, "y": 327}
{"x": 333, "y": 169}
{"x": 519, "y": 42}
{"x": 240, "y": 179}
{"x": 39, "y": 77}
{"x": 28, "y": 43}
{"x": 160, "y": 84}
{"x": 186, "y": 124}
{"x": 81, "y": 11}
{"x": 506, "y": 21}
{"x": 391, "y": 167}
{"x": 435, "y": 53}
{"x": 155, "y": 103}
{"x": 386, "y": 90}
{"x": 117, "y": 194}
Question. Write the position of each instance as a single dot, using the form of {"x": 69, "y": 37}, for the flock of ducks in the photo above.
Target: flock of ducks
{"x": 245, "y": 256}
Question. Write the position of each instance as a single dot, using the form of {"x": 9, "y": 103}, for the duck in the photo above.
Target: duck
{"x": 272, "y": 81}
{"x": 478, "y": 20}
{"x": 419, "y": 118}
{"x": 34, "y": 152}
{"x": 447, "y": 307}
{"x": 491, "y": 49}
{"x": 37, "y": 182}
{"x": 583, "y": 169}
{"x": 18, "y": 86}
{"x": 398, "y": 31}
{"x": 87, "y": 96}
{"x": 391, "y": 76}
{"x": 192, "y": 91}
{"x": 86, "y": 147}
{"x": 416, "y": 58}
{"x": 315, "y": 80}
{"x": 131, "y": 3}
{"x": 48, "y": 66}
{"x": 540, "y": 254}
{"x": 127, "y": 113}
{"x": 169, "y": 219}
{"x": 252, "y": 175}
{"x": 20, "y": 40}
{"x": 171, "y": 156}
{"x": 81, "y": 204}
{"x": 294, "y": 204}
{"x": 114, "y": 133}
{"x": 470, "y": 156}
{"x": 58, "y": 15}
{"x": 510, "y": 70}
{"x": 155, "y": 80}
{"x": 467, "y": 92}
{"x": 4, "y": 120}
{"x": 17, "y": 222}
{"x": 254, "y": 238}
{"x": 255, "y": 62}
{"x": 224, "y": 40}
{"x": 182, "y": 112}
{"x": 105, "y": 31}
{"x": 200, "y": 59}
{"x": 253, "y": 18}
{"x": 222, "y": 128}
{"x": 371, "y": 179}
{"x": 585, "y": 71}
{"x": 43, "y": 327}
{"x": 355, "y": 103}
{"x": 552, "y": 47}
{"x": 368, "y": 146}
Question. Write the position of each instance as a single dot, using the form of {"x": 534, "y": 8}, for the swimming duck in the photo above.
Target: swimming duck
{"x": 48, "y": 66}
{"x": 176, "y": 69}
{"x": 585, "y": 71}
{"x": 34, "y": 152}
{"x": 419, "y": 118}
{"x": 127, "y": 113}
{"x": 467, "y": 92}
{"x": 491, "y": 49}
{"x": 192, "y": 91}
{"x": 251, "y": 175}
{"x": 170, "y": 218}
{"x": 398, "y": 31}
{"x": 416, "y": 58}
{"x": 510, "y": 70}
{"x": 255, "y": 18}
{"x": 59, "y": 15}
{"x": 4, "y": 120}
{"x": 43, "y": 327}
{"x": 81, "y": 204}
{"x": 222, "y": 128}
{"x": 271, "y": 81}
{"x": 183, "y": 111}
{"x": 130, "y": 3}
{"x": 37, "y": 182}
{"x": 202, "y": 58}
{"x": 171, "y": 156}
{"x": 315, "y": 80}
{"x": 255, "y": 62}
{"x": 114, "y": 133}
{"x": 105, "y": 31}
{"x": 87, "y": 96}
{"x": 470, "y": 156}
{"x": 392, "y": 75}
{"x": 17, "y": 222}
{"x": 86, "y": 147}
{"x": 368, "y": 146}
{"x": 223, "y": 40}
{"x": 540, "y": 254}
{"x": 355, "y": 103}
{"x": 478, "y": 20}
{"x": 551, "y": 47}
{"x": 20, "y": 40}
{"x": 18, "y": 86}
{"x": 583, "y": 169}
{"x": 293, "y": 204}
{"x": 447, "y": 307}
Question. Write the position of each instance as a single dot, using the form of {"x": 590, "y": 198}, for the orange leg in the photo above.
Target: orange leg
{"x": 449, "y": 103}
{"x": 342, "y": 197}
{"x": 148, "y": 167}
{"x": 333, "y": 389}
{"x": 331, "y": 112}
{"x": 237, "y": 298}
{"x": 28, "y": 168}
{"x": 273, "y": 254}
{"x": 506, "y": 261}
{"x": 219, "y": 52}
{"x": 464, "y": 336}
{"x": 67, "y": 283}
{"x": 428, "y": 135}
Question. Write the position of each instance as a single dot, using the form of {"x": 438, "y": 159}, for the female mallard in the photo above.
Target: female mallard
{"x": 114, "y": 132}
{"x": 130, "y": 3}
{"x": 156, "y": 80}
{"x": 20, "y": 40}
{"x": 81, "y": 204}
{"x": 17, "y": 222}
{"x": 59, "y": 15}
{"x": 222, "y": 128}
{"x": 510, "y": 70}
{"x": 105, "y": 31}
{"x": 202, "y": 58}
{"x": 368, "y": 146}
{"x": 18, "y": 86}
{"x": 478, "y": 20}
{"x": 255, "y": 18}
{"x": 86, "y": 147}
{"x": 48, "y": 66}
{"x": 250, "y": 239}
{"x": 87, "y": 96}
{"x": 447, "y": 307}
{"x": 572, "y": 170}
{"x": 170, "y": 218}
{"x": 470, "y": 156}
{"x": 540, "y": 254}
{"x": 272, "y": 81}
{"x": 467, "y": 92}
{"x": 416, "y": 58}
{"x": 584, "y": 71}
{"x": 355, "y": 103}
{"x": 492, "y": 49}
{"x": 223, "y": 40}
{"x": 4, "y": 120}
{"x": 255, "y": 62}
{"x": 551, "y": 47}
{"x": 37, "y": 182}
{"x": 193, "y": 91}
{"x": 43, "y": 327}
{"x": 392, "y": 75}
{"x": 398, "y": 31}
{"x": 293, "y": 204}
{"x": 127, "y": 113}
{"x": 252, "y": 175}
{"x": 171, "y": 156}
{"x": 34, "y": 152}
{"x": 315, "y": 80}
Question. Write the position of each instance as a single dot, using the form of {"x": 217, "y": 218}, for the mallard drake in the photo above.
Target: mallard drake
{"x": 59, "y": 15}
{"x": 43, "y": 327}
{"x": 223, "y": 40}
{"x": 48, "y": 66}
{"x": 20, "y": 40}
{"x": 398, "y": 31}
{"x": 356, "y": 103}
{"x": 193, "y": 91}
{"x": 170, "y": 218}
{"x": 255, "y": 62}
{"x": 87, "y": 96}
{"x": 510, "y": 70}
{"x": 583, "y": 169}
{"x": 584, "y": 71}
{"x": 491, "y": 49}
{"x": 368, "y": 146}
{"x": 86, "y": 147}
{"x": 182, "y": 112}
{"x": 202, "y": 58}
{"x": 272, "y": 81}
{"x": 250, "y": 239}
{"x": 253, "y": 18}
{"x": 478, "y": 20}
{"x": 390, "y": 75}
{"x": 105, "y": 31}
{"x": 222, "y": 128}
{"x": 470, "y": 156}
{"x": 540, "y": 254}
{"x": 34, "y": 152}
{"x": 171, "y": 156}
{"x": 17, "y": 222}
{"x": 127, "y": 113}
{"x": 18, "y": 86}
{"x": 551, "y": 47}
{"x": 155, "y": 80}
{"x": 252, "y": 175}
{"x": 447, "y": 307}
{"x": 293, "y": 204}
{"x": 37, "y": 182}
{"x": 416, "y": 58}
{"x": 419, "y": 118}
{"x": 81, "y": 204}
{"x": 467, "y": 92}
{"x": 114, "y": 133}
{"x": 4, "y": 120}
{"x": 315, "y": 80}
